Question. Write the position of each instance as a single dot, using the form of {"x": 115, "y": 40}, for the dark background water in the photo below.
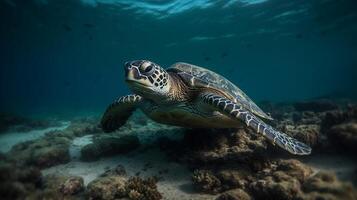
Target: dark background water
{"x": 66, "y": 56}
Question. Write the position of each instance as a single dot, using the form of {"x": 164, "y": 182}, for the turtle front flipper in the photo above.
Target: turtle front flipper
{"x": 119, "y": 111}
{"x": 237, "y": 111}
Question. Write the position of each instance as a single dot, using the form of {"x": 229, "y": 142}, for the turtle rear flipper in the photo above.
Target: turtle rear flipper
{"x": 119, "y": 111}
{"x": 237, "y": 111}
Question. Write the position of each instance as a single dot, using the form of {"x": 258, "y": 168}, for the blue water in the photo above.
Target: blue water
{"x": 67, "y": 56}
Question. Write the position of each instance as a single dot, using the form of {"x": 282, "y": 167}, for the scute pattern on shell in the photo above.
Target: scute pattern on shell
{"x": 201, "y": 77}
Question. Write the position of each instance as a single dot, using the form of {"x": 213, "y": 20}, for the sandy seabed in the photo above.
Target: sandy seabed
{"x": 175, "y": 175}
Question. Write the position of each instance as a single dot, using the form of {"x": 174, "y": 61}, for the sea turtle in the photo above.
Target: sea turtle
{"x": 190, "y": 96}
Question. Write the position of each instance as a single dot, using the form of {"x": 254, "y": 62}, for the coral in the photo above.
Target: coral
{"x": 235, "y": 194}
{"x": 84, "y": 126}
{"x": 324, "y": 185}
{"x": 294, "y": 168}
{"x": 222, "y": 179}
{"x": 344, "y": 136}
{"x": 206, "y": 181}
{"x": 27, "y": 182}
{"x": 339, "y": 129}
{"x": 338, "y": 116}
{"x": 44, "y": 152}
{"x": 326, "y": 130}
{"x": 307, "y": 133}
{"x": 218, "y": 146}
{"x": 106, "y": 146}
{"x": 239, "y": 161}
{"x": 72, "y": 185}
{"x": 112, "y": 185}
{"x": 282, "y": 180}
{"x": 17, "y": 182}
{"x": 107, "y": 188}
{"x": 139, "y": 189}
{"x": 307, "y": 117}
{"x": 234, "y": 163}
{"x": 61, "y": 187}
{"x": 53, "y": 148}
{"x": 277, "y": 186}
{"x": 238, "y": 176}
{"x": 78, "y": 128}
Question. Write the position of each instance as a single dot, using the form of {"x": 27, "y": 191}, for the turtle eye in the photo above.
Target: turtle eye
{"x": 147, "y": 69}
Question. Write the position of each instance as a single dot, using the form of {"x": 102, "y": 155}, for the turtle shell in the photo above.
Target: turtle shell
{"x": 197, "y": 77}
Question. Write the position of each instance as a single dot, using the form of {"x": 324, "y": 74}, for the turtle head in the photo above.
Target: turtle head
{"x": 147, "y": 79}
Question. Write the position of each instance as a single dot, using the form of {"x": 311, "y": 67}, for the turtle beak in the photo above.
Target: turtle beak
{"x": 131, "y": 72}
{"x": 133, "y": 77}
